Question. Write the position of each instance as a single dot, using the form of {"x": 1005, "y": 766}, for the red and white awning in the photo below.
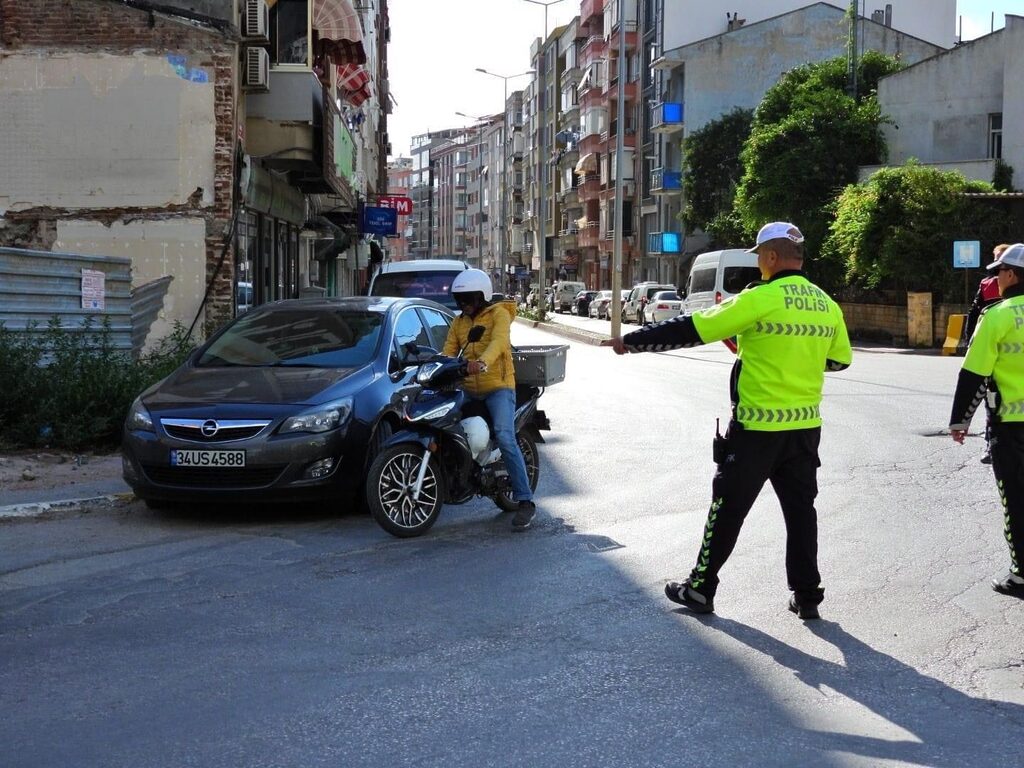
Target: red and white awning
{"x": 354, "y": 84}
{"x": 339, "y": 30}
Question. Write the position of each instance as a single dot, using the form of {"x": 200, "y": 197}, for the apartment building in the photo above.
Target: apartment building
{"x": 421, "y": 236}
{"x": 703, "y": 63}
{"x": 399, "y": 185}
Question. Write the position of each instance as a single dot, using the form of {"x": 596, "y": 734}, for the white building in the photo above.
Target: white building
{"x": 950, "y": 110}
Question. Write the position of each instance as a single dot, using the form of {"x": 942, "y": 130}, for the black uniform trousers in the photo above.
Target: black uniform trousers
{"x": 1008, "y": 466}
{"x": 790, "y": 461}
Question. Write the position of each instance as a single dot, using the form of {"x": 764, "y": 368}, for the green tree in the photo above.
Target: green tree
{"x": 896, "y": 230}
{"x": 807, "y": 141}
{"x": 712, "y": 170}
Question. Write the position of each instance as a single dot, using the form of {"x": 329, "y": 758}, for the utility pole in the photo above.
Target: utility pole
{"x": 851, "y": 59}
{"x": 620, "y": 119}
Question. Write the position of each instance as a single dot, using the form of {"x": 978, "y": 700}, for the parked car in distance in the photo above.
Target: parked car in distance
{"x": 582, "y": 302}
{"x": 642, "y": 292}
{"x": 662, "y": 306}
{"x": 718, "y": 275}
{"x": 599, "y": 305}
{"x": 565, "y": 292}
{"x": 291, "y": 400}
{"x": 418, "y": 278}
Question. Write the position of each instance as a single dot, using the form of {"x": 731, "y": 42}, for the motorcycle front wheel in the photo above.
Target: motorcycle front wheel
{"x": 504, "y": 499}
{"x": 389, "y": 491}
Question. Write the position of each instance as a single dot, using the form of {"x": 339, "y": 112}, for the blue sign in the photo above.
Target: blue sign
{"x": 380, "y": 221}
{"x": 966, "y": 254}
{"x": 671, "y": 242}
{"x": 671, "y": 112}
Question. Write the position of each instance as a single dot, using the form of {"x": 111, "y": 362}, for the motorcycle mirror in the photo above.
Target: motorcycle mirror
{"x": 475, "y": 334}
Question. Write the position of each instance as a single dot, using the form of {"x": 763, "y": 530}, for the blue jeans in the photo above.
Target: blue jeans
{"x": 501, "y": 403}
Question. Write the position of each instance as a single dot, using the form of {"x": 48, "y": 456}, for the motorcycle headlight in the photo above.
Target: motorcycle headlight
{"x": 426, "y": 371}
{"x": 139, "y": 418}
{"x": 436, "y": 413}
{"x": 322, "y": 418}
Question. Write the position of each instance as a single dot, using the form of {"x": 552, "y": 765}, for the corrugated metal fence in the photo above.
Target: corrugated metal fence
{"x": 37, "y": 285}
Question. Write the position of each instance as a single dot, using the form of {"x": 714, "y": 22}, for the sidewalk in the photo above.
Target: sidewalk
{"x": 34, "y": 483}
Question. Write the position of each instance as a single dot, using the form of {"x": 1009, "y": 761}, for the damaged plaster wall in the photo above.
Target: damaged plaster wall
{"x": 83, "y": 131}
{"x": 170, "y": 247}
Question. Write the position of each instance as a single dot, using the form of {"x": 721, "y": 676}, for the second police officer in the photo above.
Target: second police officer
{"x": 789, "y": 333}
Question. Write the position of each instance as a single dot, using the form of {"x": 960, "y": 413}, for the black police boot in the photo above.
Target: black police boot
{"x": 684, "y": 594}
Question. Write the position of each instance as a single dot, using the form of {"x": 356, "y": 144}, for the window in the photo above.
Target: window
{"x": 289, "y": 32}
{"x": 702, "y": 280}
{"x": 437, "y": 327}
{"x": 995, "y": 136}
{"x": 409, "y": 329}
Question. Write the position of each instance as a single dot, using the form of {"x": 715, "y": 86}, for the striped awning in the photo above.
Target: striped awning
{"x": 340, "y": 33}
{"x": 354, "y": 84}
{"x": 586, "y": 164}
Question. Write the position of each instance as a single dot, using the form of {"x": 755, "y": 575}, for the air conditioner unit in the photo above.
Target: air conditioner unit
{"x": 256, "y": 23}
{"x": 257, "y": 69}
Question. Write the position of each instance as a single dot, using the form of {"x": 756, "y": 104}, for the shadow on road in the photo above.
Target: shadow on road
{"x": 949, "y": 727}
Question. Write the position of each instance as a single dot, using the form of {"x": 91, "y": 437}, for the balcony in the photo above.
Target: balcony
{"x": 570, "y": 197}
{"x": 667, "y": 243}
{"x": 667, "y": 117}
{"x": 666, "y": 182}
{"x": 590, "y": 9}
{"x": 569, "y": 237}
{"x": 588, "y": 235}
{"x": 590, "y": 186}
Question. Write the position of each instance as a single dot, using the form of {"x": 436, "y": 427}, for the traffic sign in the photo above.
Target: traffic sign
{"x": 401, "y": 204}
{"x": 966, "y": 254}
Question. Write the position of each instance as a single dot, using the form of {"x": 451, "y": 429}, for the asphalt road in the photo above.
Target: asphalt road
{"x": 296, "y": 637}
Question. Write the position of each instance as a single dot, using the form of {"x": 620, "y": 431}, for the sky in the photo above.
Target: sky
{"x": 436, "y": 46}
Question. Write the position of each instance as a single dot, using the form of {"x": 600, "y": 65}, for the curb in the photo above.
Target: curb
{"x": 40, "y": 508}
{"x": 556, "y": 329}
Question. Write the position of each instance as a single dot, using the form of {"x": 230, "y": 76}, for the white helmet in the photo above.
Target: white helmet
{"x": 473, "y": 281}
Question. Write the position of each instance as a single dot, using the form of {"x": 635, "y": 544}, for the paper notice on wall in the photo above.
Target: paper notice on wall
{"x": 93, "y": 289}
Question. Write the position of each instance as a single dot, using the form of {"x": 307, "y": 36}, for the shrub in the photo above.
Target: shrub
{"x": 71, "y": 388}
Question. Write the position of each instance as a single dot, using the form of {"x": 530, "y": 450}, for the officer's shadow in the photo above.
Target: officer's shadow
{"x": 949, "y": 727}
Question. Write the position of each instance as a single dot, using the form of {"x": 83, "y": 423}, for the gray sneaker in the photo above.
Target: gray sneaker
{"x": 524, "y": 516}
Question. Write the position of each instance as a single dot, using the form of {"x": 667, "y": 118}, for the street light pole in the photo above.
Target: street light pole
{"x": 542, "y": 239}
{"x": 503, "y": 250}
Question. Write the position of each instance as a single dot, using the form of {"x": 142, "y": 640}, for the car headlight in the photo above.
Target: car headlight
{"x": 139, "y": 418}
{"x": 322, "y": 418}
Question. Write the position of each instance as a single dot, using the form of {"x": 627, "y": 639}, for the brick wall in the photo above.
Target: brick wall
{"x": 106, "y": 26}
{"x": 888, "y": 322}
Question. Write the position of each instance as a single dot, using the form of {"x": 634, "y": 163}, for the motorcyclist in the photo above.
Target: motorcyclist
{"x": 491, "y": 378}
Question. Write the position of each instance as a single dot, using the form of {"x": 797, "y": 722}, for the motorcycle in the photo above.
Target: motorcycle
{"x": 446, "y": 453}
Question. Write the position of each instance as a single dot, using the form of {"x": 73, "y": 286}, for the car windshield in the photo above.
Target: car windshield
{"x": 320, "y": 338}
{"x": 433, "y": 285}
{"x": 666, "y": 296}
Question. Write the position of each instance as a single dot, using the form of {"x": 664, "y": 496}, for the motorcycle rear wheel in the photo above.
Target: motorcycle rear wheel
{"x": 505, "y": 500}
{"x": 389, "y": 487}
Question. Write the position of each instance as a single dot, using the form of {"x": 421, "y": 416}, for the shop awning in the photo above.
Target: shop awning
{"x": 587, "y": 164}
{"x": 339, "y": 30}
{"x": 354, "y": 84}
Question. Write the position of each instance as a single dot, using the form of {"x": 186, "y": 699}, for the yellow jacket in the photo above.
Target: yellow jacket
{"x": 494, "y": 349}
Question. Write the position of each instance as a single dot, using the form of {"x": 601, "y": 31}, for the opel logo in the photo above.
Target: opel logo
{"x": 209, "y": 428}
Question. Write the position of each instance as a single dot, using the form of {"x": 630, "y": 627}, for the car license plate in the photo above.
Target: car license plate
{"x": 180, "y": 458}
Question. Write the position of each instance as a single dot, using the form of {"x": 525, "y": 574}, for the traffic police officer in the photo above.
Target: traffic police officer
{"x": 789, "y": 332}
{"x": 993, "y": 371}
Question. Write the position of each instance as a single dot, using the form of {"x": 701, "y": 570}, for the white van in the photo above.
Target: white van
{"x": 718, "y": 275}
{"x": 421, "y": 278}
{"x": 565, "y": 294}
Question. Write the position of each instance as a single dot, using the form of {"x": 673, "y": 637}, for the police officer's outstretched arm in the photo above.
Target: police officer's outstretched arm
{"x": 721, "y": 322}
